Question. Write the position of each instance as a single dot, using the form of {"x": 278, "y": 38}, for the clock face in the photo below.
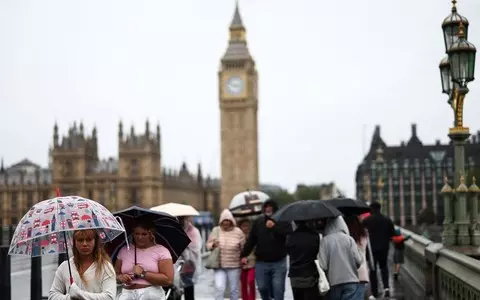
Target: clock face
{"x": 235, "y": 85}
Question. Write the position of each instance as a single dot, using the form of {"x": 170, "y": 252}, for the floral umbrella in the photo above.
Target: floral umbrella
{"x": 38, "y": 231}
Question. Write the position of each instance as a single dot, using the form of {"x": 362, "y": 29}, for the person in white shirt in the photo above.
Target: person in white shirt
{"x": 93, "y": 274}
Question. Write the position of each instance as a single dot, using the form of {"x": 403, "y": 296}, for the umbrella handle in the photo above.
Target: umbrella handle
{"x": 58, "y": 192}
{"x": 68, "y": 259}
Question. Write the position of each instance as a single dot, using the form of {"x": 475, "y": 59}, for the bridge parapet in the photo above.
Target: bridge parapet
{"x": 432, "y": 271}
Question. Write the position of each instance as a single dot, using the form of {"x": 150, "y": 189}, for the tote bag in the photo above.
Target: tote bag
{"x": 323, "y": 284}
{"x": 213, "y": 260}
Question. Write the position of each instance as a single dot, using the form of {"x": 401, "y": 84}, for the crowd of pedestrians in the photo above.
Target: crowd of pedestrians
{"x": 334, "y": 258}
{"x": 345, "y": 251}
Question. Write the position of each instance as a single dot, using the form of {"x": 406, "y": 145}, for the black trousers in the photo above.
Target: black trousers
{"x": 188, "y": 293}
{"x": 380, "y": 260}
{"x": 311, "y": 293}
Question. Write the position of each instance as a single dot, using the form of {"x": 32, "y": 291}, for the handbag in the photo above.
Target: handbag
{"x": 213, "y": 260}
{"x": 323, "y": 284}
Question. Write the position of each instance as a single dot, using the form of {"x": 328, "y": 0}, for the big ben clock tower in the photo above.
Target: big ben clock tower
{"x": 238, "y": 115}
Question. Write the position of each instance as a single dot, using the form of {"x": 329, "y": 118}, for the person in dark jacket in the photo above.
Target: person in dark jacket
{"x": 381, "y": 231}
{"x": 268, "y": 239}
{"x": 302, "y": 248}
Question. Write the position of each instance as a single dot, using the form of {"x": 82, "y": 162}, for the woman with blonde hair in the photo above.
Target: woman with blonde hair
{"x": 145, "y": 267}
{"x": 93, "y": 274}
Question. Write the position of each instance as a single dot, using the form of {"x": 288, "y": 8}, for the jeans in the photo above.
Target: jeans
{"x": 148, "y": 293}
{"x": 233, "y": 277}
{"x": 347, "y": 291}
{"x": 270, "y": 277}
{"x": 380, "y": 259}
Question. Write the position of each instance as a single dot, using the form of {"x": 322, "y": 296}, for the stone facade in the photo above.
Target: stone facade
{"x": 408, "y": 177}
{"x": 136, "y": 177}
{"x": 238, "y": 113}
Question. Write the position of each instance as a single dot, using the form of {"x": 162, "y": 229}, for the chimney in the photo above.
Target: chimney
{"x": 414, "y": 129}
{"x": 437, "y": 142}
{"x": 402, "y": 144}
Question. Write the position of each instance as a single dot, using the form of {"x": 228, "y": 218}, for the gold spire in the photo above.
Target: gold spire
{"x": 454, "y": 3}
{"x": 461, "y": 30}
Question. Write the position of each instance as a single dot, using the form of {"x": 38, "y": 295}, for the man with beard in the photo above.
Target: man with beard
{"x": 268, "y": 239}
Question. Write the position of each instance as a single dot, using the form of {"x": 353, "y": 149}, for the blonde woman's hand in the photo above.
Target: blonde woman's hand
{"x": 76, "y": 292}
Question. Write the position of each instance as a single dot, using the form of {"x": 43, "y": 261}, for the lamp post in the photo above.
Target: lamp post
{"x": 457, "y": 70}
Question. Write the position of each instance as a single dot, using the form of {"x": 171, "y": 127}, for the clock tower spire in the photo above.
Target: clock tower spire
{"x": 238, "y": 115}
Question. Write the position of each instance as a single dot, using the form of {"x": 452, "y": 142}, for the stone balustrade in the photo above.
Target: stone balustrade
{"x": 432, "y": 271}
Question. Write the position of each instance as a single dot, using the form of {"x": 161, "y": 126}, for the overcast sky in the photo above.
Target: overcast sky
{"x": 329, "y": 71}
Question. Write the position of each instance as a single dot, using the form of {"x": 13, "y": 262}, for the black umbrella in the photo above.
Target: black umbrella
{"x": 169, "y": 232}
{"x": 306, "y": 210}
{"x": 349, "y": 206}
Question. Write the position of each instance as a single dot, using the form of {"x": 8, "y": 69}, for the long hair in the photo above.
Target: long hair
{"x": 100, "y": 257}
{"x": 356, "y": 228}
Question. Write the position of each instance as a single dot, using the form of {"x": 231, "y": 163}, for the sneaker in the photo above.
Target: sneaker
{"x": 386, "y": 293}
{"x": 371, "y": 298}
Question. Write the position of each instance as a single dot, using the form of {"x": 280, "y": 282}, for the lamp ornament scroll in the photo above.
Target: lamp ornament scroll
{"x": 459, "y": 94}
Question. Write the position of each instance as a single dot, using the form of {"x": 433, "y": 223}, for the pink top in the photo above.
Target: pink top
{"x": 146, "y": 258}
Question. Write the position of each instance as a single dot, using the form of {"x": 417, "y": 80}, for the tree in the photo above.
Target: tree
{"x": 307, "y": 192}
{"x": 283, "y": 197}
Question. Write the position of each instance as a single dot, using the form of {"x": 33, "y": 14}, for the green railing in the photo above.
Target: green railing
{"x": 434, "y": 272}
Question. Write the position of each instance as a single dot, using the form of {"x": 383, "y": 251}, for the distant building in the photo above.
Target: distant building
{"x": 328, "y": 191}
{"x": 409, "y": 176}
{"x": 136, "y": 177}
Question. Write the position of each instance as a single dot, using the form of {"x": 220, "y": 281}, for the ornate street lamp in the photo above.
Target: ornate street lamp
{"x": 457, "y": 70}
{"x": 446, "y": 76}
{"x": 461, "y": 57}
{"x": 451, "y": 25}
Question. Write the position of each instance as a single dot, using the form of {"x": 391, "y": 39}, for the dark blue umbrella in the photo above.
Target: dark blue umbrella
{"x": 306, "y": 210}
{"x": 169, "y": 232}
{"x": 349, "y": 206}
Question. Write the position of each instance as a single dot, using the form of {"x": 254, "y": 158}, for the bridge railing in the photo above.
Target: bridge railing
{"x": 432, "y": 271}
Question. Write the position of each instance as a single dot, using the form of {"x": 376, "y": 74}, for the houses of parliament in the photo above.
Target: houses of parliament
{"x": 136, "y": 176}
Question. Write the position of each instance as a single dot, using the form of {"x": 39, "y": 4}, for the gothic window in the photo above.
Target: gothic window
{"x": 471, "y": 162}
{"x": 395, "y": 169}
{"x": 14, "y": 203}
{"x": 101, "y": 196}
{"x": 68, "y": 169}
{"x": 406, "y": 167}
{"x": 29, "y": 199}
{"x": 373, "y": 167}
{"x": 134, "y": 196}
{"x": 417, "y": 168}
{"x": 134, "y": 167}
{"x": 450, "y": 165}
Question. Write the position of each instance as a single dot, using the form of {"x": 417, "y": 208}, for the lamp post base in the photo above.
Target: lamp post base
{"x": 476, "y": 238}
{"x": 463, "y": 237}
{"x": 448, "y": 235}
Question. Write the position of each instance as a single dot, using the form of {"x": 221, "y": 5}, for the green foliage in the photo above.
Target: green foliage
{"x": 283, "y": 197}
{"x": 307, "y": 192}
